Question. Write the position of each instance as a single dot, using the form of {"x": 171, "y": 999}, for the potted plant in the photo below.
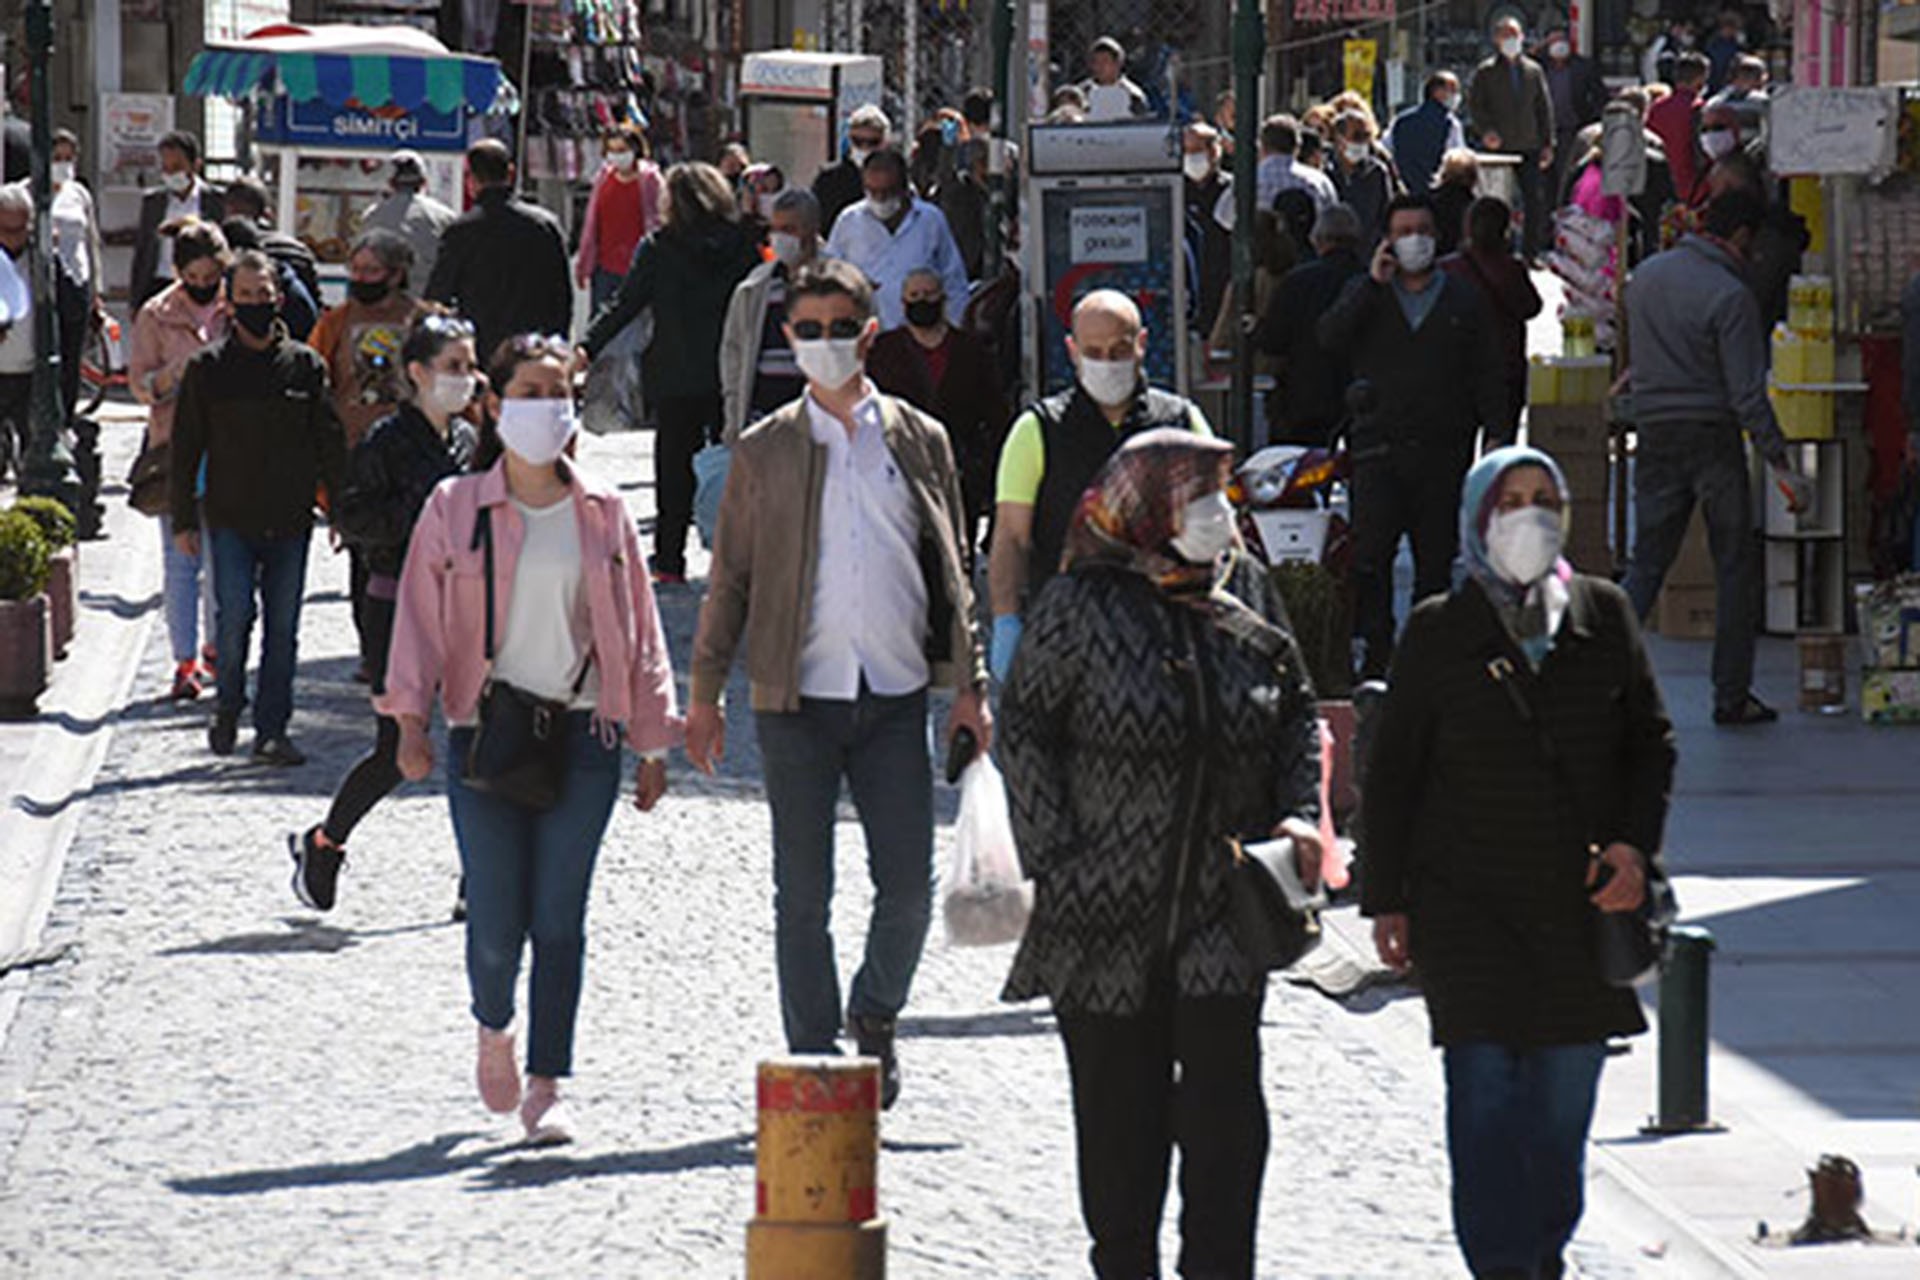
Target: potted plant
{"x": 26, "y": 642}
{"x": 63, "y": 582}
{"x": 1321, "y": 614}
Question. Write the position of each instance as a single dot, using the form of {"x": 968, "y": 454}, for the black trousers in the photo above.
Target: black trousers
{"x": 1414, "y": 493}
{"x": 1537, "y": 231}
{"x": 1185, "y": 1073}
{"x": 375, "y": 775}
{"x": 687, "y": 425}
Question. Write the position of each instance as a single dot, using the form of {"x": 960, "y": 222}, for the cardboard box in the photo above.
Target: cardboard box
{"x": 1890, "y": 697}
{"x": 1569, "y": 430}
{"x": 1685, "y": 612}
{"x": 1890, "y": 622}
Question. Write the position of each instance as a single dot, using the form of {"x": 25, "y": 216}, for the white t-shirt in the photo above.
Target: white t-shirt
{"x": 548, "y": 635}
{"x": 73, "y": 230}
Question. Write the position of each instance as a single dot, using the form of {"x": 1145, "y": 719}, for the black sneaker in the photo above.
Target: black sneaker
{"x": 223, "y": 733}
{"x": 874, "y": 1039}
{"x": 460, "y": 902}
{"x": 1750, "y": 710}
{"x": 279, "y": 752}
{"x": 316, "y": 869}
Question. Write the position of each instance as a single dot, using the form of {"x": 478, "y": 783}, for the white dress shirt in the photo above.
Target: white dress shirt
{"x": 869, "y": 614}
{"x": 178, "y": 207}
{"x": 922, "y": 239}
{"x": 1273, "y": 175}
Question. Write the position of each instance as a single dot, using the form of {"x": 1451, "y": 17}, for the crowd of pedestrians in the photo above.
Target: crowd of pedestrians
{"x": 876, "y": 469}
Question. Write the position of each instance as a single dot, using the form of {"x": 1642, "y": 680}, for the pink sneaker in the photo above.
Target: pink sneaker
{"x": 498, "y": 1074}
{"x": 545, "y": 1115}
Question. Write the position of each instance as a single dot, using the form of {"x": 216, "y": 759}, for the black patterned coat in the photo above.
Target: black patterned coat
{"x": 1137, "y": 737}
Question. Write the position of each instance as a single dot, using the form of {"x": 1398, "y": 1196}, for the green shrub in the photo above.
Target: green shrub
{"x": 1318, "y": 608}
{"x": 25, "y": 557}
{"x": 55, "y": 521}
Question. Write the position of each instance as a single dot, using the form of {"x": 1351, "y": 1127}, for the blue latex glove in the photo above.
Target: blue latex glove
{"x": 1006, "y": 638}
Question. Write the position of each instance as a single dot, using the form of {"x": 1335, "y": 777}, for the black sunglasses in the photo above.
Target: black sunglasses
{"x": 813, "y": 330}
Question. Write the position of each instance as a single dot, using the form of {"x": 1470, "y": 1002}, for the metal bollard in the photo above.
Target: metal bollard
{"x": 1683, "y": 1032}
{"x": 817, "y": 1156}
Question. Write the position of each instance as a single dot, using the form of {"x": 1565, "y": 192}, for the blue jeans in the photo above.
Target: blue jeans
{"x": 602, "y": 287}
{"x": 528, "y": 876}
{"x": 1517, "y": 1123}
{"x": 189, "y": 606}
{"x": 276, "y": 569}
{"x": 879, "y": 746}
{"x": 1676, "y": 465}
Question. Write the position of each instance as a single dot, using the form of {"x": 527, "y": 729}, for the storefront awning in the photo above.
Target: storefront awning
{"x": 371, "y": 67}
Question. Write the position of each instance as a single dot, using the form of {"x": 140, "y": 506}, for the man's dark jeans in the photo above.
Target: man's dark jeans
{"x": 1537, "y": 204}
{"x": 1676, "y": 465}
{"x": 275, "y": 569}
{"x": 1517, "y": 1122}
{"x": 1411, "y": 492}
{"x": 879, "y": 746}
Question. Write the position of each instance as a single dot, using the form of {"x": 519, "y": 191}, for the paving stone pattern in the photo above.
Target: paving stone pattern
{"x": 221, "y": 1083}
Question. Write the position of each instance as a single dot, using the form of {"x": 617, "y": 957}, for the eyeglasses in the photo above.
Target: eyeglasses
{"x": 813, "y": 330}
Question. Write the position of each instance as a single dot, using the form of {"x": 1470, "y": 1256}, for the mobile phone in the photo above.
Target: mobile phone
{"x": 960, "y": 754}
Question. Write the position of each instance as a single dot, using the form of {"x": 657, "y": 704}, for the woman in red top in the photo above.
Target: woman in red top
{"x": 624, "y": 210}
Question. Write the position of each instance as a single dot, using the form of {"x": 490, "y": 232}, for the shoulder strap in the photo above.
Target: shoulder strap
{"x": 483, "y": 538}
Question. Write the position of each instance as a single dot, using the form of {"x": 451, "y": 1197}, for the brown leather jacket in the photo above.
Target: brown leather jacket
{"x": 760, "y": 586}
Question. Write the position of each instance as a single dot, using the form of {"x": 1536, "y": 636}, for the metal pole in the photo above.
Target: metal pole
{"x": 1683, "y": 1032}
{"x": 1000, "y": 38}
{"x": 526, "y": 96}
{"x": 1249, "y": 45}
{"x": 47, "y": 470}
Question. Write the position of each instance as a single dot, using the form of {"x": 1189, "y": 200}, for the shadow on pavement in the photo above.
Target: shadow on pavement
{"x": 979, "y": 1026}
{"x": 714, "y": 1153}
{"x": 430, "y": 1159}
{"x": 304, "y": 934}
{"x": 120, "y": 606}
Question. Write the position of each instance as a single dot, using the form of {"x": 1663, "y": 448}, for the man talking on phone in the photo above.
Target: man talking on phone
{"x": 1430, "y": 359}
{"x": 845, "y": 503}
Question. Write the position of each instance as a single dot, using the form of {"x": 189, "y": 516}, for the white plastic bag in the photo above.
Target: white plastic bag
{"x": 987, "y": 902}
{"x": 613, "y": 401}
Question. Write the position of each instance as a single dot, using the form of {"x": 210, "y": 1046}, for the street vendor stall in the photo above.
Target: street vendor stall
{"x": 327, "y": 105}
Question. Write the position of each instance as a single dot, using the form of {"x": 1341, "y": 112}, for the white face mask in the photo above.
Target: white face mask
{"x": 859, "y": 155}
{"x": 830, "y": 363}
{"x": 886, "y": 210}
{"x": 623, "y": 161}
{"x": 1356, "y": 152}
{"x": 1717, "y": 142}
{"x": 62, "y": 172}
{"x": 1110, "y": 382}
{"x": 787, "y": 247}
{"x": 1206, "y": 529}
{"x": 178, "y": 183}
{"x": 1448, "y": 101}
{"x": 537, "y": 430}
{"x": 449, "y": 393}
{"x": 1510, "y": 47}
{"x": 1198, "y": 165}
{"x": 1559, "y": 49}
{"x": 1524, "y": 545}
{"x": 1414, "y": 253}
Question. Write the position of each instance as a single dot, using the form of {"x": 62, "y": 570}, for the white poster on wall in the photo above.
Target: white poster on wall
{"x": 1108, "y": 235}
{"x": 131, "y": 126}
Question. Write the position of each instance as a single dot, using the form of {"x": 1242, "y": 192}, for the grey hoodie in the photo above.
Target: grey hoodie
{"x": 1699, "y": 347}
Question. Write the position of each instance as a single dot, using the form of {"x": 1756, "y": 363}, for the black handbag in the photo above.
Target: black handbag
{"x": 518, "y": 752}
{"x": 147, "y": 479}
{"x": 1628, "y": 945}
{"x": 1275, "y": 917}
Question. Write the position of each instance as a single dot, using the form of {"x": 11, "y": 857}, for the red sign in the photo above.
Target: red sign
{"x": 1331, "y": 11}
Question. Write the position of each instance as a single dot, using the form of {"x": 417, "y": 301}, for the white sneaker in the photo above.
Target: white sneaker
{"x": 545, "y": 1116}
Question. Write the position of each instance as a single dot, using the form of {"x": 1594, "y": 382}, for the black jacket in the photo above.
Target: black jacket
{"x": 265, "y": 424}
{"x": 1309, "y": 395}
{"x": 1367, "y": 188}
{"x": 1433, "y": 386}
{"x": 1470, "y": 832}
{"x": 389, "y": 477}
{"x": 1138, "y": 737}
{"x": 146, "y": 279}
{"x": 503, "y": 265}
{"x": 688, "y": 280}
{"x": 835, "y": 187}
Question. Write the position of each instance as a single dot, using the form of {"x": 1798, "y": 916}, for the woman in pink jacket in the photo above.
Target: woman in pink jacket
{"x": 176, "y": 324}
{"x": 574, "y": 621}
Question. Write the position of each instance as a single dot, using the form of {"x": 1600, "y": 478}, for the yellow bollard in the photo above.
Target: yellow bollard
{"x": 816, "y": 1214}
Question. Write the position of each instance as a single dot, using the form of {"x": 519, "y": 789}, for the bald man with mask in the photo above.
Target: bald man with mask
{"x": 1054, "y": 449}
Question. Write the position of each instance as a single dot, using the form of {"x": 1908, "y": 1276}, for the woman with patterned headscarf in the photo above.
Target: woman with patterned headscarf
{"x": 1516, "y": 789}
{"x": 1157, "y": 711}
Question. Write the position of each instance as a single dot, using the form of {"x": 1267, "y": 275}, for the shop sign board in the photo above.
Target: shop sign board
{"x": 1831, "y": 131}
{"x": 321, "y": 124}
{"x": 1358, "y": 57}
{"x": 1115, "y": 233}
{"x": 1327, "y": 12}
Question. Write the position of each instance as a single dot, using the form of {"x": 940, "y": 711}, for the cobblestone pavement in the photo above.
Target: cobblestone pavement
{"x": 220, "y": 1083}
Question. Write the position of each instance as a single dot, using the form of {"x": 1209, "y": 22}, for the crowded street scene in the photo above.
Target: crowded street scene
{"x": 824, "y": 639}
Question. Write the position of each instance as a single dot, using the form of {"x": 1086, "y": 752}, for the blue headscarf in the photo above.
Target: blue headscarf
{"x": 1531, "y": 612}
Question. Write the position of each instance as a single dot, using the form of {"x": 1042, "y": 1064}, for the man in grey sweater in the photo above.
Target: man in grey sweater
{"x": 1700, "y": 380}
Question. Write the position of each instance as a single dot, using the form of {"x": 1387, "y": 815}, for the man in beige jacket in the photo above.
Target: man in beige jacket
{"x": 839, "y": 562}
